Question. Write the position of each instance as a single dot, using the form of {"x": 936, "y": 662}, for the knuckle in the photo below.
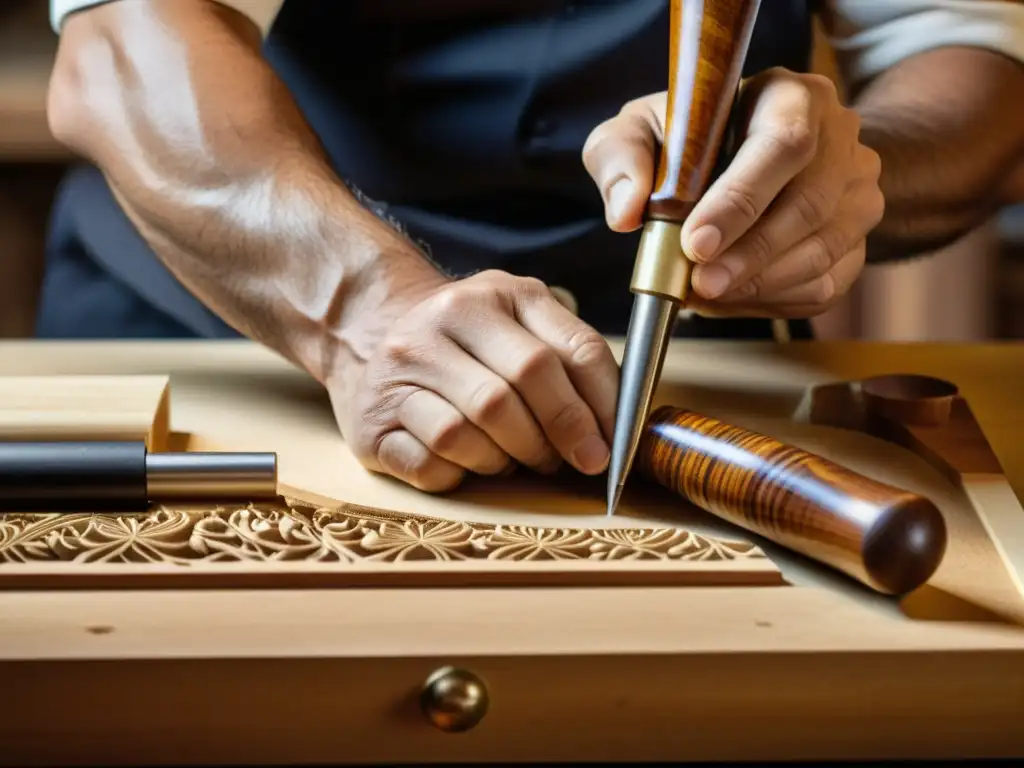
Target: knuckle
{"x": 469, "y": 296}
{"x": 758, "y": 247}
{"x": 588, "y": 349}
{"x": 634, "y": 106}
{"x": 824, "y": 290}
{"x": 428, "y": 477}
{"x": 531, "y": 287}
{"x": 796, "y": 140}
{"x": 819, "y": 257}
{"x": 419, "y": 469}
{"x": 363, "y": 442}
{"x": 452, "y": 302}
{"x": 851, "y": 118}
{"x": 645, "y": 112}
{"x": 446, "y": 433}
{"x": 570, "y": 419}
{"x": 813, "y": 204}
{"x": 605, "y": 144}
{"x": 537, "y": 362}
{"x": 488, "y": 276}
{"x": 822, "y": 84}
{"x": 416, "y": 472}
{"x": 381, "y": 446}
{"x": 490, "y": 402}
{"x": 400, "y": 348}
{"x": 754, "y": 288}
{"x": 872, "y": 164}
{"x": 743, "y": 199}
{"x": 594, "y": 139}
{"x": 827, "y": 248}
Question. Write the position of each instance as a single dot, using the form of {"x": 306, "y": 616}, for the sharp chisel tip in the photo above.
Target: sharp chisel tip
{"x": 613, "y": 500}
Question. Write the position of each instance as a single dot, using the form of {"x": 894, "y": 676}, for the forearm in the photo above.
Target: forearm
{"x": 213, "y": 162}
{"x": 950, "y": 136}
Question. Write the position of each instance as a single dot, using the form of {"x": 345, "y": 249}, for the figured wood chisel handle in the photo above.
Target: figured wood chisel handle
{"x": 708, "y": 44}
{"x": 707, "y": 48}
{"x": 887, "y": 538}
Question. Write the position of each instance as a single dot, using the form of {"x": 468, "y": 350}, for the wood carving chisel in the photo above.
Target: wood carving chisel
{"x": 708, "y": 43}
{"x": 125, "y": 477}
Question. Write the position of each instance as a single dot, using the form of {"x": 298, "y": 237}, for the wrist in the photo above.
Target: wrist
{"x": 370, "y": 275}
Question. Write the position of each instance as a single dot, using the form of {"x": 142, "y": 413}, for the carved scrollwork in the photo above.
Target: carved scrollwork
{"x": 293, "y": 531}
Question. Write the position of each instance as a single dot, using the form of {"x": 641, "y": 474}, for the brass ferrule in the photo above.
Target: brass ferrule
{"x": 211, "y": 476}
{"x": 662, "y": 268}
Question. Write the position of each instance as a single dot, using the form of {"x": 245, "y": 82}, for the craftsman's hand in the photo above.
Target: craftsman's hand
{"x": 781, "y": 233}
{"x": 476, "y": 374}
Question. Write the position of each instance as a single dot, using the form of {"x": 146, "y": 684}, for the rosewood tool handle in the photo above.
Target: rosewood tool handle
{"x": 708, "y": 43}
{"x": 887, "y": 538}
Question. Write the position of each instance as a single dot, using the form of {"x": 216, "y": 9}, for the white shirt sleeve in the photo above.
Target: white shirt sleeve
{"x": 871, "y": 36}
{"x": 262, "y": 12}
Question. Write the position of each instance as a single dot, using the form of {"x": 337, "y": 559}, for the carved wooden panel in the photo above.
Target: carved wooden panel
{"x": 292, "y": 536}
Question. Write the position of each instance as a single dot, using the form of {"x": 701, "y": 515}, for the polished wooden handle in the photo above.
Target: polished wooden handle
{"x": 708, "y": 44}
{"x": 887, "y": 538}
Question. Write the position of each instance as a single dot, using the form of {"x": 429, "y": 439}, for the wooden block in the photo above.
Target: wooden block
{"x": 97, "y": 407}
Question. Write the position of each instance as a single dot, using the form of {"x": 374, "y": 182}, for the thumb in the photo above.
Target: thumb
{"x": 619, "y": 156}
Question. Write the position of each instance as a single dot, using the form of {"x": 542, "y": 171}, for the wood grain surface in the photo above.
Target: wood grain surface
{"x": 707, "y": 46}
{"x": 814, "y": 671}
{"x": 886, "y": 537}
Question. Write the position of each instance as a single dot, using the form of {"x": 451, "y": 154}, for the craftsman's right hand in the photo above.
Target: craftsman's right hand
{"x": 479, "y": 375}
{"x": 782, "y": 231}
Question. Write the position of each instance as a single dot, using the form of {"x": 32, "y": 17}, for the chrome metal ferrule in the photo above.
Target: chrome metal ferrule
{"x": 211, "y": 476}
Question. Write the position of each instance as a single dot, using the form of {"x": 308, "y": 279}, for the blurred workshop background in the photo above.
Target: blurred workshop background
{"x": 971, "y": 291}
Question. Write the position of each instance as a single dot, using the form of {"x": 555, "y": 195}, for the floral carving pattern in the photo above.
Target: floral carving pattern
{"x": 294, "y": 531}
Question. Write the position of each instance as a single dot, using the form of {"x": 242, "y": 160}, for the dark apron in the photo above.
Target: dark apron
{"x": 462, "y": 120}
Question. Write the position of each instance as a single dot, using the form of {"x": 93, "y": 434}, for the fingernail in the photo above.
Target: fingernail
{"x": 619, "y": 198}
{"x": 704, "y": 243}
{"x": 712, "y": 280}
{"x": 590, "y": 455}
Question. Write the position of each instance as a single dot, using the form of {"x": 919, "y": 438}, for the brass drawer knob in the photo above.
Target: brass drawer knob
{"x": 454, "y": 700}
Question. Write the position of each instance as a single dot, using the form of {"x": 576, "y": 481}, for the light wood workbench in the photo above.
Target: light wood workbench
{"x": 257, "y": 676}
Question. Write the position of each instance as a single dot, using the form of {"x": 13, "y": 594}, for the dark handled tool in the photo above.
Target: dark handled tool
{"x": 889, "y": 539}
{"x": 707, "y": 47}
{"x": 125, "y": 477}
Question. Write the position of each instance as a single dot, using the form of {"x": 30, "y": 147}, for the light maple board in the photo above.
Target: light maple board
{"x": 811, "y": 671}
{"x": 96, "y": 407}
{"x": 307, "y": 540}
{"x": 242, "y": 398}
{"x": 755, "y": 389}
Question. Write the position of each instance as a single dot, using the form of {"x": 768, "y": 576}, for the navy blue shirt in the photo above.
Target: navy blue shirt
{"x": 462, "y": 120}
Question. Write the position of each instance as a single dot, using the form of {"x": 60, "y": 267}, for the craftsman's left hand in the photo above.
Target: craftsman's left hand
{"x": 781, "y": 233}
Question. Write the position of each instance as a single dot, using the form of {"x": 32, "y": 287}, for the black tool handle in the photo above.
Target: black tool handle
{"x": 74, "y": 476}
